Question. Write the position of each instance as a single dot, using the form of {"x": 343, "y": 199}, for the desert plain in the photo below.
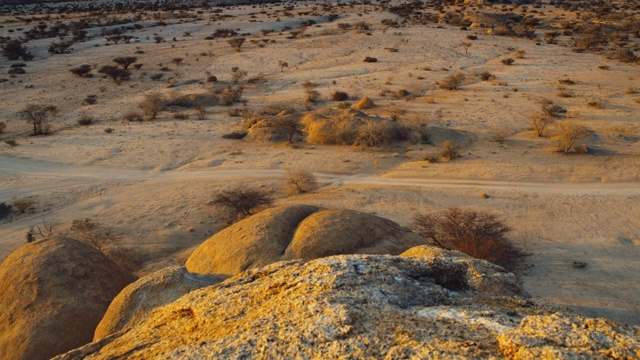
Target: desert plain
{"x": 577, "y": 215}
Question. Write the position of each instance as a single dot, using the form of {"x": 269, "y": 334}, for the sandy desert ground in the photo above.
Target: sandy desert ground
{"x": 152, "y": 181}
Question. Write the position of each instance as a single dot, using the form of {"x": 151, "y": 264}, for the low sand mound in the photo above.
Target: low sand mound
{"x": 54, "y": 293}
{"x": 298, "y": 232}
{"x": 438, "y": 135}
{"x": 345, "y": 127}
{"x": 362, "y": 307}
{"x": 155, "y": 290}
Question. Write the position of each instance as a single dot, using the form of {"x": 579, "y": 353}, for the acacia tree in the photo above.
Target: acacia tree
{"x": 125, "y": 61}
{"x": 38, "y": 116}
{"x": 283, "y": 64}
{"x": 115, "y": 73}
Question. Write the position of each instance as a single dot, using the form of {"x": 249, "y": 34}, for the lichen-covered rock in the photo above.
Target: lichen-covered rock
{"x": 356, "y": 306}
{"x": 298, "y": 232}
{"x": 141, "y": 297}
{"x": 54, "y": 293}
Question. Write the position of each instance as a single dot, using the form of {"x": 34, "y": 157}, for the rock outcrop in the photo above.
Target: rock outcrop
{"x": 54, "y": 293}
{"x": 362, "y": 306}
{"x": 157, "y": 289}
{"x": 298, "y": 232}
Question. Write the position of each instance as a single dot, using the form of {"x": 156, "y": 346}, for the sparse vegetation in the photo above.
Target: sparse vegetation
{"x": 237, "y": 74}
{"x": 14, "y": 50}
{"x": 3, "y": 127}
{"x": 475, "y": 233}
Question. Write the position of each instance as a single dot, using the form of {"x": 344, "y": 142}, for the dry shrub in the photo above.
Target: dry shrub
{"x": 475, "y": 233}
{"x": 569, "y": 134}
{"x": 24, "y": 204}
{"x": 339, "y": 96}
{"x": 132, "y": 115}
{"x": 242, "y": 200}
{"x": 152, "y": 105}
{"x": 540, "y": 121}
{"x": 106, "y": 240}
{"x": 310, "y": 94}
{"x": 375, "y": 134}
{"x": 236, "y": 43}
{"x": 452, "y": 82}
{"x": 3, "y": 127}
{"x": 300, "y": 181}
{"x": 231, "y": 95}
{"x": 449, "y": 150}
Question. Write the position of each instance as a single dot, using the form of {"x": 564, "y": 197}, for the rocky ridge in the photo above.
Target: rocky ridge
{"x": 425, "y": 304}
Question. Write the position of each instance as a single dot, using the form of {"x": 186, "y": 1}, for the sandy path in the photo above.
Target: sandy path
{"x": 18, "y": 170}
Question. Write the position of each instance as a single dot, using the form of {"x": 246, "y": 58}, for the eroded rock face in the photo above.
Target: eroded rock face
{"x": 360, "y": 306}
{"x": 157, "y": 289}
{"x": 54, "y": 293}
{"x": 298, "y": 232}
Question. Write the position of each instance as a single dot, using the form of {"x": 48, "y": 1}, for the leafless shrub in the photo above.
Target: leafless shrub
{"x": 104, "y": 239}
{"x": 237, "y": 74}
{"x": 41, "y": 231}
{"x": 152, "y": 105}
{"x": 476, "y": 233}
{"x": 300, "y": 181}
{"x": 242, "y": 199}
{"x": 539, "y": 121}
{"x": 24, "y": 204}
{"x": 569, "y": 134}
{"x": 132, "y": 115}
{"x": 486, "y": 76}
{"x": 38, "y": 116}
